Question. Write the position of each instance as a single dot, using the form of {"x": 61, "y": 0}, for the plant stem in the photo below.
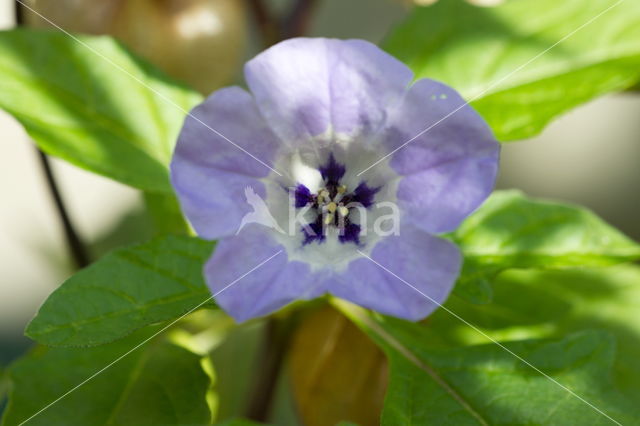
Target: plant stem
{"x": 275, "y": 345}
{"x": 18, "y": 13}
{"x": 268, "y": 26}
{"x": 297, "y": 23}
{"x": 76, "y": 248}
{"x": 294, "y": 25}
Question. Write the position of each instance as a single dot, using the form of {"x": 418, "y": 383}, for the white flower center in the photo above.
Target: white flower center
{"x": 320, "y": 196}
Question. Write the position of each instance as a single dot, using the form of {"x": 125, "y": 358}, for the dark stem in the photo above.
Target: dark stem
{"x": 18, "y": 13}
{"x": 297, "y": 23}
{"x": 76, "y": 248}
{"x": 275, "y": 345}
{"x": 268, "y": 26}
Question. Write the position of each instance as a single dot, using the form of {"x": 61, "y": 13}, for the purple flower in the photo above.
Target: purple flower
{"x": 329, "y": 147}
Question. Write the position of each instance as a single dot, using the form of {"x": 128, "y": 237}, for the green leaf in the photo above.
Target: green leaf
{"x": 535, "y": 304}
{"x": 505, "y": 59}
{"x": 165, "y": 214}
{"x": 485, "y": 384}
{"x": 124, "y": 291}
{"x": 158, "y": 383}
{"x": 512, "y": 231}
{"x": 93, "y": 103}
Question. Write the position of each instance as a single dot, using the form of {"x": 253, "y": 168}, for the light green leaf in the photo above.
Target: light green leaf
{"x": 124, "y": 291}
{"x": 485, "y": 384}
{"x": 93, "y": 103}
{"x": 165, "y": 214}
{"x": 158, "y": 383}
{"x": 505, "y": 59}
{"x": 537, "y": 304}
{"x": 512, "y": 231}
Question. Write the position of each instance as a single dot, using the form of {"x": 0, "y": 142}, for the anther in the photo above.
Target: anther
{"x": 322, "y": 195}
{"x": 328, "y": 219}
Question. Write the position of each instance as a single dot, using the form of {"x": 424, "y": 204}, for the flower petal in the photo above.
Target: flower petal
{"x": 258, "y": 277}
{"x": 306, "y": 87}
{"x": 413, "y": 258}
{"x": 450, "y": 161}
{"x": 210, "y": 170}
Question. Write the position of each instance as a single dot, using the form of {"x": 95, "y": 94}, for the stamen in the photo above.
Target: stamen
{"x": 322, "y": 195}
{"x": 330, "y": 204}
{"x": 328, "y": 218}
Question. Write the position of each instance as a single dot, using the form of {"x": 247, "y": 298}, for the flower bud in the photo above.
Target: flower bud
{"x": 80, "y": 16}
{"x": 200, "y": 42}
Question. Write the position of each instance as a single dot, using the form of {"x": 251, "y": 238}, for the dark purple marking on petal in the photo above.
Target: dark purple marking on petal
{"x": 364, "y": 195}
{"x": 317, "y": 235}
{"x": 303, "y": 196}
{"x": 333, "y": 171}
{"x": 350, "y": 234}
